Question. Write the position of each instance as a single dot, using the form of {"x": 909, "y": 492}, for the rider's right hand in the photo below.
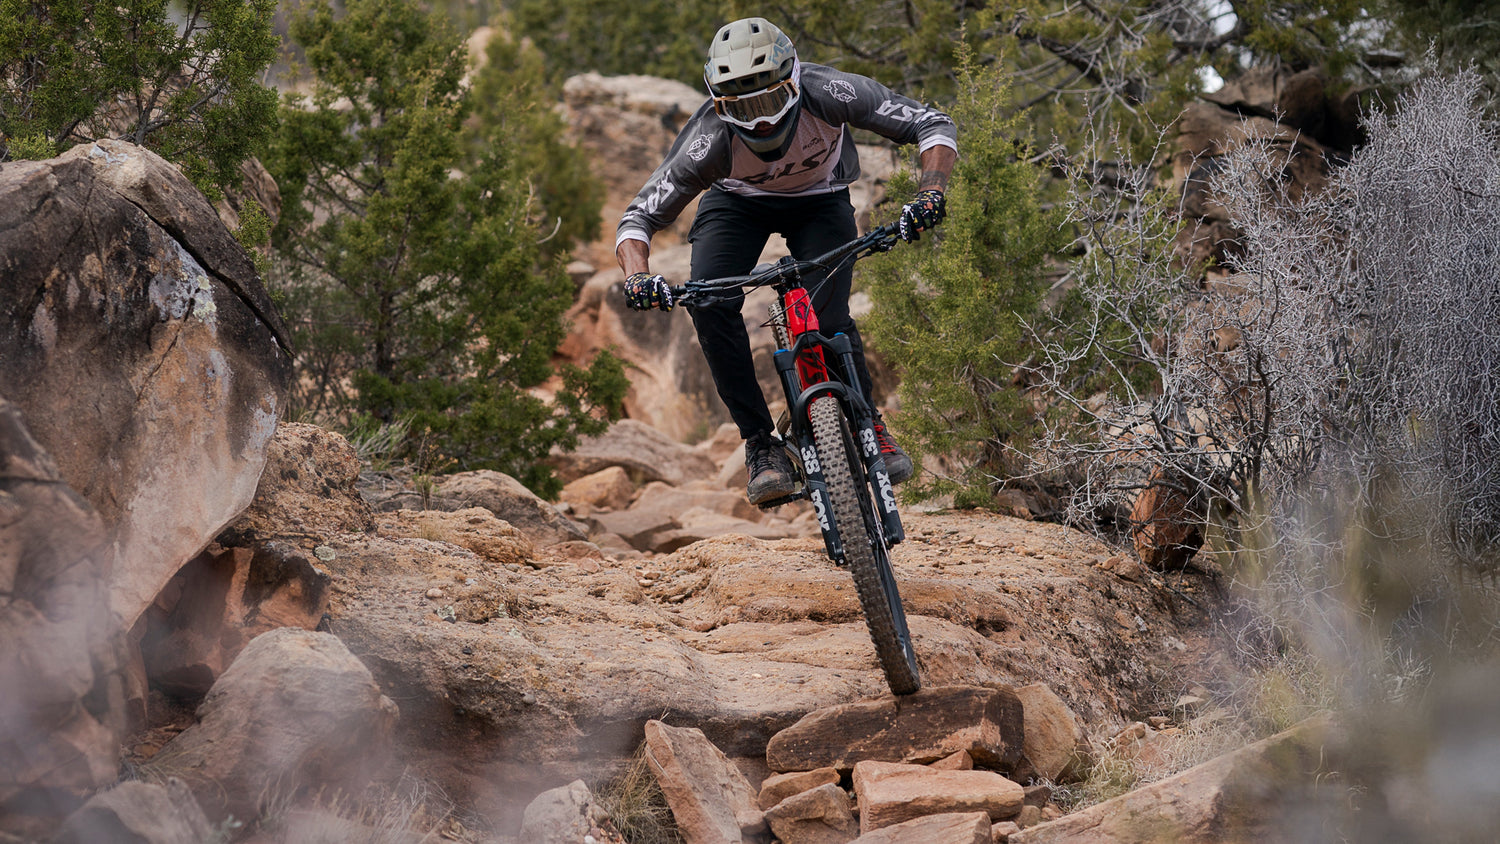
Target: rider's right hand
{"x": 644, "y": 291}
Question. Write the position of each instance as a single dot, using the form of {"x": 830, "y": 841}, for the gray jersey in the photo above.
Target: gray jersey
{"x": 821, "y": 157}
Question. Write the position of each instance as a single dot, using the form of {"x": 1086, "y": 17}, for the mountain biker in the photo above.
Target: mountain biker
{"x": 772, "y": 146}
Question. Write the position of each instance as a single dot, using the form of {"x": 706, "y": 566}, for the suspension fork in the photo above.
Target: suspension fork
{"x": 863, "y": 417}
{"x": 812, "y": 468}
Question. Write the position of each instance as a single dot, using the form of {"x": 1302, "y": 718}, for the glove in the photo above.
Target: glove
{"x": 925, "y": 211}
{"x": 644, "y": 291}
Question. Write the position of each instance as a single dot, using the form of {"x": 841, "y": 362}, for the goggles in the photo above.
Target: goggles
{"x": 766, "y": 106}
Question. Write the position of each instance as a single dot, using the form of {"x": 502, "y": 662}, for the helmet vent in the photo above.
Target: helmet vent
{"x": 759, "y": 60}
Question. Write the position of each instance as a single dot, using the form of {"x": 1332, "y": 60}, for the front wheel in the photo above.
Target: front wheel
{"x": 864, "y": 545}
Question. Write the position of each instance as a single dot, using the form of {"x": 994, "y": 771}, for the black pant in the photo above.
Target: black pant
{"x": 728, "y": 234}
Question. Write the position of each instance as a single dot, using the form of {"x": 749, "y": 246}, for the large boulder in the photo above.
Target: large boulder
{"x": 143, "y": 351}
{"x": 58, "y": 644}
{"x": 295, "y": 710}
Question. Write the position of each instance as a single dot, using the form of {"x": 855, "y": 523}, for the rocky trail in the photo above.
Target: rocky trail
{"x": 523, "y": 658}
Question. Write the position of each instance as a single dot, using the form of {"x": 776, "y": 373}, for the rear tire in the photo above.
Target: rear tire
{"x": 864, "y": 545}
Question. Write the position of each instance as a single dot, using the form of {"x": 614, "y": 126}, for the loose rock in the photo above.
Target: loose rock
{"x": 820, "y": 815}
{"x": 709, "y": 797}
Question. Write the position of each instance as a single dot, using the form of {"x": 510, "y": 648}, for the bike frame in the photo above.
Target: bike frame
{"x": 804, "y": 369}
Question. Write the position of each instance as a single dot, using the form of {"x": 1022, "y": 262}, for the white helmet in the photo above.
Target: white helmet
{"x": 753, "y": 75}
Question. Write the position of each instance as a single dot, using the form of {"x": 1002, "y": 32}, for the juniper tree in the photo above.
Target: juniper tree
{"x": 412, "y": 270}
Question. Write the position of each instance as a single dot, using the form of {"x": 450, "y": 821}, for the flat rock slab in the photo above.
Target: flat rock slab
{"x": 890, "y": 793}
{"x": 965, "y": 828}
{"x": 709, "y": 797}
{"x": 921, "y": 728}
{"x": 557, "y": 664}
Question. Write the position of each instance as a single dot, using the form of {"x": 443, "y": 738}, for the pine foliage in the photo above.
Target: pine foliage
{"x": 182, "y": 79}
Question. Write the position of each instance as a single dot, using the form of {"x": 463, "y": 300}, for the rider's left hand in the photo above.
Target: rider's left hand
{"x": 924, "y": 212}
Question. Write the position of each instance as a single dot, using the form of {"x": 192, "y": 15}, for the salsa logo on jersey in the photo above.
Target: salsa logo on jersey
{"x": 699, "y": 148}
{"x": 904, "y": 113}
{"x": 663, "y": 191}
{"x": 841, "y": 90}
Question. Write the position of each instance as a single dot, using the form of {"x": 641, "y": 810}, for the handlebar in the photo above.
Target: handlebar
{"x": 701, "y": 291}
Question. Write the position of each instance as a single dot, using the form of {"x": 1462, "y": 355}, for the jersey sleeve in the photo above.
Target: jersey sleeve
{"x": 699, "y": 157}
{"x": 863, "y": 103}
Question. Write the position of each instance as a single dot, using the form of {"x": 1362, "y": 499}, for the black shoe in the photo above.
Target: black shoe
{"x": 767, "y": 469}
{"x": 896, "y": 461}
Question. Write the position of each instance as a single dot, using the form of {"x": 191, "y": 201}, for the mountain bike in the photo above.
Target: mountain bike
{"x": 829, "y": 433}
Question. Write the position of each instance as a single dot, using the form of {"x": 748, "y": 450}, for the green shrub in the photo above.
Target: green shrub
{"x": 950, "y": 311}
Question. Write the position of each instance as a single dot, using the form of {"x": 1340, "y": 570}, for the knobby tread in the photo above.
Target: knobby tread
{"x": 854, "y": 513}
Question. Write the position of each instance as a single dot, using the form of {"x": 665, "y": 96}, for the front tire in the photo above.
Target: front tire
{"x": 864, "y": 545}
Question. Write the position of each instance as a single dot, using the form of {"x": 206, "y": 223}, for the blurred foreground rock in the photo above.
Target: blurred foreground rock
{"x": 1232, "y": 798}
{"x": 140, "y": 813}
{"x": 295, "y": 711}
{"x": 59, "y": 645}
